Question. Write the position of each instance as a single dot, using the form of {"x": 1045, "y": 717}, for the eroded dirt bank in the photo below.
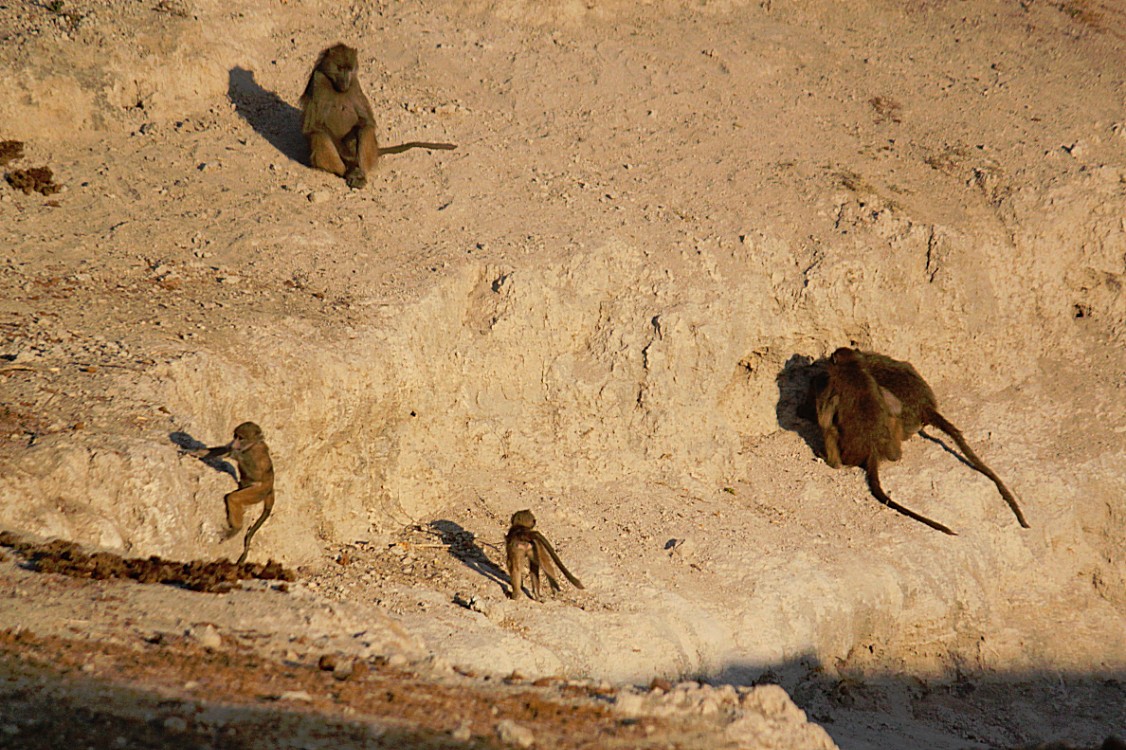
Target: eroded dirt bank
{"x": 597, "y": 307}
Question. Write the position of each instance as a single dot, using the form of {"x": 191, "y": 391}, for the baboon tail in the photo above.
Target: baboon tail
{"x": 416, "y": 144}
{"x": 546, "y": 545}
{"x": 250, "y": 533}
{"x": 942, "y": 423}
{"x": 873, "y": 472}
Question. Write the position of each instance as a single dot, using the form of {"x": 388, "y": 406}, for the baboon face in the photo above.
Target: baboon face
{"x": 339, "y": 66}
{"x": 844, "y": 355}
{"x": 246, "y": 434}
{"x": 523, "y": 518}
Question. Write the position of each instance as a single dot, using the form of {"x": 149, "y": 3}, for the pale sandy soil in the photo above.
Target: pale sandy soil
{"x": 599, "y": 307}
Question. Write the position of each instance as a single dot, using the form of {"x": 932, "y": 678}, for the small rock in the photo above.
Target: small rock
{"x": 296, "y": 695}
{"x": 514, "y": 734}
{"x": 206, "y": 635}
{"x": 463, "y": 733}
{"x": 318, "y": 196}
{"x": 630, "y": 704}
{"x": 175, "y": 725}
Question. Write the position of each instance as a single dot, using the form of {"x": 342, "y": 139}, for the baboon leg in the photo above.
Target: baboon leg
{"x": 515, "y": 572}
{"x": 323, "y": 154}
{"x": 269, "y": 506}
{"x": 237, "y": 502}
{"x": 943, "y": 424}
{"x": 534, "y": 574}
{"x": 893, "y": 451}
{"x": 873, "y": 471}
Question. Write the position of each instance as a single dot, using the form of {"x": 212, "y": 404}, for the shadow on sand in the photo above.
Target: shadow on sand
{"x": 269, "y": 115}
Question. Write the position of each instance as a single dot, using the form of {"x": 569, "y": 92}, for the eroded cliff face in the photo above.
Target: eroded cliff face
{"x": 599, "y": 307}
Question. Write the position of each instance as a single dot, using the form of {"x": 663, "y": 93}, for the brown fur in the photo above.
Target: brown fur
{"x": 338, "y": 121}
{"x": 255, "y": 482}
{"x": 920, "y": 409}
{"x": 527, "y": 548}
{"x": 862, "y": 424}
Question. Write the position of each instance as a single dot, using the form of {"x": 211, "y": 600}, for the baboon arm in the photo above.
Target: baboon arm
{"x": 218, "y": 451}
{"x": 827, "y": 411}
{"x": 873, "y": 471}
{"x": 367, "y": 148}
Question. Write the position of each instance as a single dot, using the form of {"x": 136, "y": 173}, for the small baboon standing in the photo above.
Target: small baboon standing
{"x": 338, "y": 121}
{"x": 255, "y": 481}
{"x": 862, "y": 424}
{"x": 527, "y": 548}
{"x": 920, "y": 409}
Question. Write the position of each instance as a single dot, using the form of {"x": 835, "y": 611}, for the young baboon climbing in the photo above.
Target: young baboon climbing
{"x": 525, "y": 548}
{"x": 861, "y": 424}
{"x": 338, "y": 121}
{"x": 920, "y": 409}
{"x": 255, "y": 480}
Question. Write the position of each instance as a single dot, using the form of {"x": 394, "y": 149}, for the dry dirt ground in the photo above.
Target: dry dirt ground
{"x": 601, "y": 306}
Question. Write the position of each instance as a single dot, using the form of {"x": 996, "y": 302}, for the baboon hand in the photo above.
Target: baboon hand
{"x": 355, "y": 178}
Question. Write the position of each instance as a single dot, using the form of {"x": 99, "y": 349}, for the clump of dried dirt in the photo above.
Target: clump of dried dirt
{"x": 10, "y": 151}
{"x": 36, "y": 179}
{"x": 67, "y": 558}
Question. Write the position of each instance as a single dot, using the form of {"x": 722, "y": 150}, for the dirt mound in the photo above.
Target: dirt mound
{"x": 68, "y": 558}
{"x": 34, "y": 180}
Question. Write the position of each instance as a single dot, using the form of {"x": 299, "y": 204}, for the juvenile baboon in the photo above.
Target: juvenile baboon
{"x": 525, "y": 547}
{"x": 861, "y": 424}
{"x": 920, "y": 409}
{"x": 338, "y": 121}
{"x": 255, "y": 480}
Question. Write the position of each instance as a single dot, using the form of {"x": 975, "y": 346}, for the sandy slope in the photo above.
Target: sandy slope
{"x": 598, "y": 307}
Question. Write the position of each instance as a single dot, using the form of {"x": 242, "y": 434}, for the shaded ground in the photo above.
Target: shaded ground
{"x": 69, "y": 559}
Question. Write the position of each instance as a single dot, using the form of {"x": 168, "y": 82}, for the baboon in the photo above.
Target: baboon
{"x": 862, "y": 424}
{"x": 525, "y": 547}
{"x": 255, "y": 479}
{"x": 920, "y": 409}
{"x": 339, "y": 123}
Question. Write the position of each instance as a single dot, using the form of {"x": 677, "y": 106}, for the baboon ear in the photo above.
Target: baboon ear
{"x": 895, "y": 406}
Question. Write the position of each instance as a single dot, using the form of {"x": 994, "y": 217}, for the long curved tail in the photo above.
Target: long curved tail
{"x": 942, "y": 423}
{"x": 416, "y": 144}
{"x": 873, "y": 472}
{"x": 540, "y": 539}
{"x": 250, "y": 534}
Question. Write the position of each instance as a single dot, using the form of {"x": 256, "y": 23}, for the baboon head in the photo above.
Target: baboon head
{"x": 338, "y": 63}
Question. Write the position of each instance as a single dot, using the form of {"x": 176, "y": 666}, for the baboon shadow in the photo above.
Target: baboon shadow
{"x": 187, "y": 444}
{"x": 462, "y": 546}
{"x": 270, "y": 116}
{"x": 942, "y": 444}
{"x": 797, "y": 382}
